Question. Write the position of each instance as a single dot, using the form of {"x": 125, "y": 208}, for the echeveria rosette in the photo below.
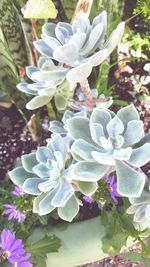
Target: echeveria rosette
{"x": 46, "y": 174}
{"x": 52, "y": 83}
{"x": 140, "y": 209}
{"x": 110, "y": 140}
{"x": 78, "y": 47}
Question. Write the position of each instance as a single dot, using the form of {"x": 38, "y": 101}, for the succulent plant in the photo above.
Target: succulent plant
{"x": 46, "y": 174}
{"x": 140, "y": 208}
{"x": 44, "y": 90}
{"x": 114, "y": 141}
{"x": 75, "y": 46}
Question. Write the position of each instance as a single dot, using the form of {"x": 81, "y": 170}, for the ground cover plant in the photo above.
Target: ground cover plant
{"x": 80, "y": 174}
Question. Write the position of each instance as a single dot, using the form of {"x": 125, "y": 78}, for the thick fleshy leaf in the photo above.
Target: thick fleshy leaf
{"x": 123, "y": 153}
{"x": 41, "y": 170}
{"x": 23, "y": 87}
{"x": 36, "y": 202}
{"x": 102, "y": 17}
{"x": 106, "y": 144}
{"x": 130, "y": 182}
{"x": 78, "y": 128}
{"x": 87, "y": 188}
{"x": 145, "y": 139}
{"x": 19, "y": 175}
{"x": 49, "y": 29}
{"x": 57, "y": 127}
{"x": 140, "y": 213}
{"x": 52, "y": 42}
{"x": 147, "y": 213}
{"x": 29, "y": 161}
{"x": 88, "y": 171}
{"x": 67, "y": 54}
{"x": 43, "y": 48}
{"x": 80, "y": 25}
{"x": 80, "y": 73}
{"x": 115, "y": 38}
{"x": 63, "y": 31}
{"x": 45, "y": 206}
{"x": 96, "y": 132}
{"x": 100, "y": 116}
{"x": 127, "y": 114}
{"x": 134, "y": 132}
{"x": 98, "y": 57}
{"x": 57, "y": 144}
{"x": 43, "y": 154}
{"x": 83, "y": 149}
{"x": 63, "y": 194}
{"x": 104, "y": 158}
{"x": 56, "y": 74}
{"x": 115, "y": 127}
{"x": 70, "y": 210}
{"x": 93, "y": 40}
{"x": 47, "y": 186}
{"x": 30, "y": 70}
{"x": 37, "y": 102}
{"x": 140, "y": 156}
{"x": 78, "y": 39}
{"x": 49, "y": 92}
{"x": 60, "y": 102}
{"x": 30, "y": 186}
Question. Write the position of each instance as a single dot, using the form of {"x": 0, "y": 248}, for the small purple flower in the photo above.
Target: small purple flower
{"x": 13, "y": 213}
{"x": 88, "y": 199}
{"x": 14, "y": 250}
{"x": 112, "y": 187}
{"x": 17, "y": 191}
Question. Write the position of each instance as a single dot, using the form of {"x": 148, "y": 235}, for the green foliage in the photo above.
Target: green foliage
{"x": 40, "y": 248}
{"x": 144, "y": 8}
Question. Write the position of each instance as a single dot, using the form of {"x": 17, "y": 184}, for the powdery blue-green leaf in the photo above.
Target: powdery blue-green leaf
{"x": 140, "y": 156}
{"x": 46, "y": 186}
{"x": 100, "y": 116}
{"x": 63, "y": 194}
{"x": 145, "y": 139}
{"x": 123, "y": 153}
{"x": 41, "y": 170}
{"x": 23, "y": 87}
{"x": 134, "y": 132}
{"x": 19, "y": 175}
{"x": 96, "y": 132}
{"x": 37, "y": 102}
{"x": 87, "y": 188}
{"x": 43, "y": 48}
{"x": 115, "y": 127}
{"x": 78, "y": 127}
{"x": 105, "y": 158}
{"x": 67, "y": 54}
{"x": 30, "y": 186}
{"x": 130, "y": 182}
{"x": 56, "y": 74}
{"x": 60, "y": 102}
{"x": 88, "y": 171}
{"x": 43, "y": 154}
{"x": 29, "y": 161}
{"x": 57, "y": 143}
{"x": 70, "y": 210}
{"x": 36, "y": 202}
{"x": 127, "y": 114}
{"x": 83, "y": 149}
{"x": 79, "y": 73}
{"x": 45, "y": 205}
{"x": 115, "y": 37}
{"x": 98, "y": 57}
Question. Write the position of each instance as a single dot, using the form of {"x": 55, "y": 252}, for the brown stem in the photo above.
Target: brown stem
{"x": 86, "y": 90}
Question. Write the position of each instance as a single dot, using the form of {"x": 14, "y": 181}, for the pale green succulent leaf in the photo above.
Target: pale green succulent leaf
{"x": 88, "y": 171}
{"x": 45, "y": 206}
{"x": 79, "y": 73}
{"x": 41, "y": 170}
{"x": 134, "y": 132}
{"x": 100, "y": 116}
{"x": 60, "y": 102}
{"x": 19, "y": 175}
{"x": 70, "y": 210}
{"x": 78, "y": 128}
{"x": 63, "y": 194}
{"x": 36, "y": 202}
{"x": 105, "y": 158}
{"x": 67, "y": 54}
{"x": 29, "y": 161}
{"x": 38, "y": 102}
{"x": 43, "y": 48}
{"x": 58, "y": 144}
{"x": 87, "y": 188}
{"x": 140, "y": 156}
{"x": 96, "y": 132}
{"x": 115, "y": 127}
{"x": 130, "y": 182}
{"x": 83, "y": 149}
{"x": 98, "y": 57}
{"x": 127, "y": 114}
{"x": 30, "y": 186}
{"x": 145, "y": 139}
{"x": 123, "y": 153}
{"x": 139, "y": 213}
{"x": 43, "y": 154}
